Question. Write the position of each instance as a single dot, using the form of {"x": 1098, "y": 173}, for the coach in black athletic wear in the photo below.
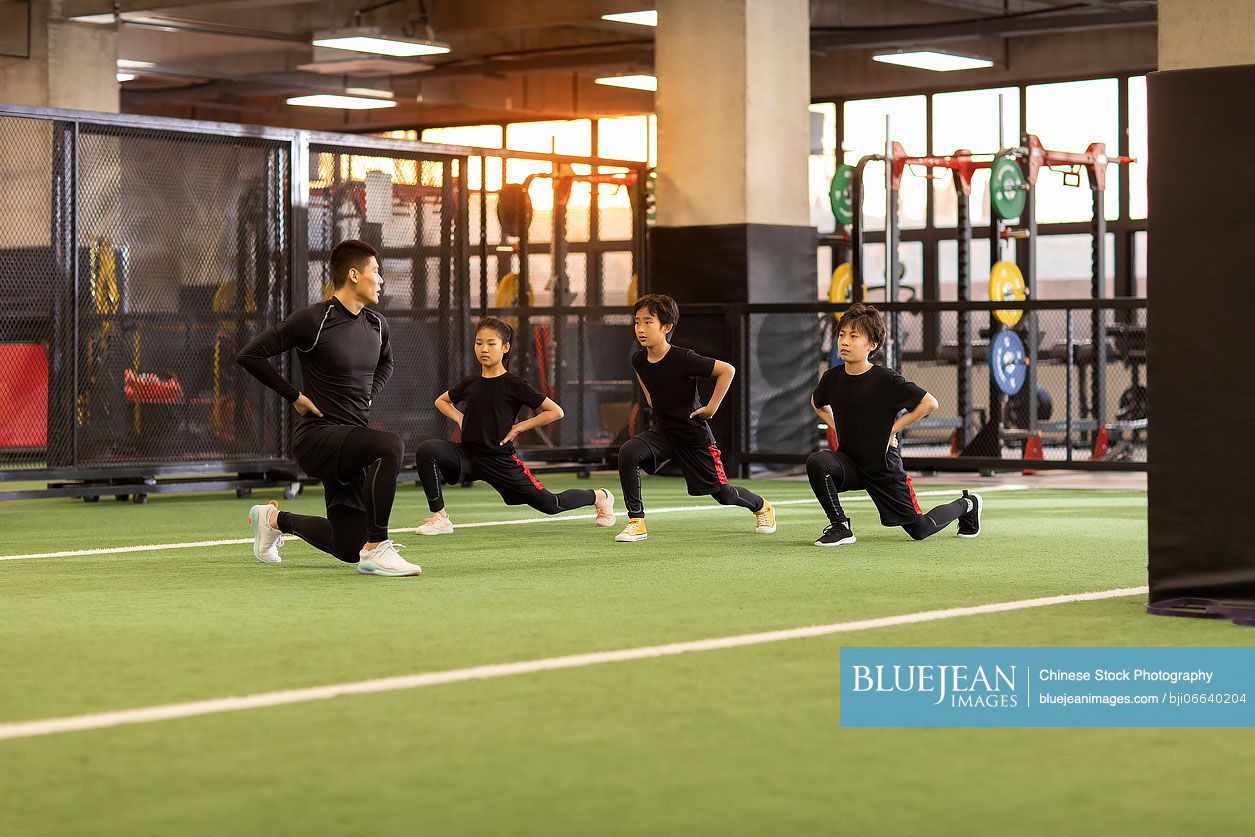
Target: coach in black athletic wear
{"x": 345, "y": 361}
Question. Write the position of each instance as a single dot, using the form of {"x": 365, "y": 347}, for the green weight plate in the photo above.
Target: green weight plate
{"x": 1008, "y": 192}
{"x": 839, "y": 195}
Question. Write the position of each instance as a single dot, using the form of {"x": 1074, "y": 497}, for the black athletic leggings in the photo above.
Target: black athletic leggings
{"x": 345, "y": 530}
{"x": 438, "y": 461}
{"x": 635, "y": 455}
{"x": 828, "y": 478}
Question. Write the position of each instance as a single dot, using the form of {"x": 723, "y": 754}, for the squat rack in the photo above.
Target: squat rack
{"x": 1031, "y": 156}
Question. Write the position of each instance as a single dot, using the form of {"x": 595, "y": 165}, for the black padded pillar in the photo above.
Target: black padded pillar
{"x": 776, "y": 355}
{"x": 1199, "y": 353}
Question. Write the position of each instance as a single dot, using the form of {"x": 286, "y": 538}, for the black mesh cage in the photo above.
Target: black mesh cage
{"x": 33, "y": 273}
{"x": 412, "y": 209}
{"x": 133, "y": 262}
{"x": 577, "y": 256}
{"x": 181, "y": 255}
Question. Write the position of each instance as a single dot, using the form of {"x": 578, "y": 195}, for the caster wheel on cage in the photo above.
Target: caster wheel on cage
{"x": 243, "y": 493}
{"x": 292, "y": 491}
{"x": 91, "y": 499}
{"x": 139, "y": 499}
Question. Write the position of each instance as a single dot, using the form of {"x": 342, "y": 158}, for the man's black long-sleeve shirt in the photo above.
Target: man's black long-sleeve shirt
{"x": 345, "y": 360}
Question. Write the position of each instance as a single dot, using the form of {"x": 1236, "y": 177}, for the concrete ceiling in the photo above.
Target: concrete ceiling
{"x": 516, "y": 60}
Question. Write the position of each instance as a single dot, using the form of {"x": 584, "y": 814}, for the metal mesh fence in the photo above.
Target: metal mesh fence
{"x": 549, "y": 277}
{"x": 412, "y": 208}
{"x": 133, "y": 263}
{"x": 580, "y": 359}
{"x": 139, "y": 255}
{"x": 182, "y": 256}
{"x": 33, "y": 276}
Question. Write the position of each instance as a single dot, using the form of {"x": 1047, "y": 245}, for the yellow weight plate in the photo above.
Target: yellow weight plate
{"x": 841, "y": 289}
{"x": 1006, "y": 284}
{"x": 508, "y": 289}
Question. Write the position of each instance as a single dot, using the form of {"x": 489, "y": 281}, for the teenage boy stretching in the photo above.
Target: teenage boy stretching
{"x": 861, "y": 402}
{"x": 668, "y": 376}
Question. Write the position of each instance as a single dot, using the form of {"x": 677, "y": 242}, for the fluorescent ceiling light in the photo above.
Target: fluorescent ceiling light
{"x": 373, "y": 40}
{"x": 101, "y": 19}
{"x": 126, "y": 76}
{"x": 128, "y": 64}
{"x": 331, "y": 100}
{"x": 645, "y": 18}
{"x": 640, "y": 82}
{"x": 927, "y": 59}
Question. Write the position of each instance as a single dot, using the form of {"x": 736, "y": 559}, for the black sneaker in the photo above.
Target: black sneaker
{"x": 837, "y": 534}
{"x": 969, "y": 522}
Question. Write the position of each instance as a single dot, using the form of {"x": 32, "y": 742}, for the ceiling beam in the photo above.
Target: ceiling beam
{"x": 835, "y": 37}
{"x": 82, "y": 8}
{"x": 460, "y": 16}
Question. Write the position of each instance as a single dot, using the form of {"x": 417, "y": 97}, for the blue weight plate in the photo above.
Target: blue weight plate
{"x": 1008, "y": 361}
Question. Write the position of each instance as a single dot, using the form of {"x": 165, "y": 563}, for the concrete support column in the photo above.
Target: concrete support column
{"x": 1205, "y": 33}
{"x": 69, "y": 65}
{"x": 733, "y": 127}
{"x": 733, "y": 207}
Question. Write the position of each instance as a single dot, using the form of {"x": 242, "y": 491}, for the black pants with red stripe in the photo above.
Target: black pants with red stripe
{"x": 831, "y": 472}
{"x": 440, "y": 461}
{"x": 703, "y": 471}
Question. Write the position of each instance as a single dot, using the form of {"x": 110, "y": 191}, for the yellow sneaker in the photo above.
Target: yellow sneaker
{"x": 765, "y": 520}
{"x": 634, "y": 531}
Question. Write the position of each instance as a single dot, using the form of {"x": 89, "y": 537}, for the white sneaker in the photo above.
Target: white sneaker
{"x": 385, "y": 560}
{"x": 605, "y": 509}
{"x": 266, "y": 538}
{"x": 438, "y": 524}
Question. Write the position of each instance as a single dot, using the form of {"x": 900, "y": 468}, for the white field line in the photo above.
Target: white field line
{"x": 149, "y": 714}
{"x": 157, "y": 547}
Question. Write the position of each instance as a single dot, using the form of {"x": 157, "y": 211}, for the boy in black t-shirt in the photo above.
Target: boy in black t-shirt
{"x": 492, "y": 400}
{"x": 668, "y": 376}
{"x": 862, "y": 402}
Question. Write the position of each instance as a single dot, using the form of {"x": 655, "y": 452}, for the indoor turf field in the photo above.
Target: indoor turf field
{"x": 735, "y": 740}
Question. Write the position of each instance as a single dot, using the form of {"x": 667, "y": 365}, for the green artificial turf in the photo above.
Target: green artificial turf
{"x": 734, "y": 741}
